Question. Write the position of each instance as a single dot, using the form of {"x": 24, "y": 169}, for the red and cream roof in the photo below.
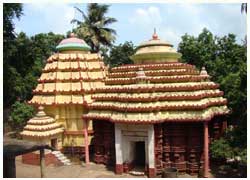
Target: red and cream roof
{"x": 70, "y": 75}
{"x": 41, "y": 126}
{"x": 157, "y": 92}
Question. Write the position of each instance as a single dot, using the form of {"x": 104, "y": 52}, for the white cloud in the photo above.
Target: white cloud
{"x": 144, "y": 17}
{"x": 56, "y": 17}
{"x": 136, "y": 22}
{"x": 170, "y": 35}
{"x": 174, "y": 20}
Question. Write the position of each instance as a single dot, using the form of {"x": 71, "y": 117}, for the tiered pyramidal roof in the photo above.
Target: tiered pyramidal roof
{"x": 157, "y": 88}
{"x": 41, "y": 126}
{"x": 70, "y": 75}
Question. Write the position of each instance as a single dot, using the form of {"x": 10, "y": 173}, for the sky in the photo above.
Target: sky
{"x": 136, "y": 22}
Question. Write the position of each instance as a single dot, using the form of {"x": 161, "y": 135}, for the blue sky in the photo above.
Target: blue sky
{"x": 137, "y": 21}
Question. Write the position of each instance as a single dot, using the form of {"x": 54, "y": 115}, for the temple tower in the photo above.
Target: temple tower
{"x": 65, "y": 86}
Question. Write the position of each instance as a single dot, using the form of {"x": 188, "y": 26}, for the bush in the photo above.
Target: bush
{"x": 20, "y": 114}
{"x": 231, "y": 145}
{"x": 220, "y": 149}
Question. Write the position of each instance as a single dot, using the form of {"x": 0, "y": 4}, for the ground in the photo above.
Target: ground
{"x": 75, "y": 170}
{"x": 78, "y": 170}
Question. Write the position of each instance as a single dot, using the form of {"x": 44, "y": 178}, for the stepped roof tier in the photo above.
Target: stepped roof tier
{"x": 41, "y": 126}
{"x": 69, "y": 75}
{"x": 157, "y": 92}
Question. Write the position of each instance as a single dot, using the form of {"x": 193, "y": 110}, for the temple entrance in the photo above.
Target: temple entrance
{"x": 136, "y": 142}
{"x": 140, "y": 154}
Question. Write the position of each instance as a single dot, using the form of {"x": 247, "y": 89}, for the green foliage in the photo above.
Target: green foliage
{"x": 231, "y": 145}
{"x": 120, "y": 54}
{"x": 221, "y": 149}
{"x": 20, "y": 113}
{"x": 225, "y": 61}
{"x": 10, "y": 11}
{"x": 23, "y": 66}
{"x": 94, "y": 28}
{"x": 243, "y": 155}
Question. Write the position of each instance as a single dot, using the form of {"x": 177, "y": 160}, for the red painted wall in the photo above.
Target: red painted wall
{"x": 34, "y": 159}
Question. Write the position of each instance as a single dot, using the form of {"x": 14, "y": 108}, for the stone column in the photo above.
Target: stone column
{"x": 118, "y": 150}
{"x": 151, "y": 152}
{"x": 42, "y": 162}
{"x": 9, "y": 167}
{"x": 86, "y": 139}
{"x": 206, "y": 146}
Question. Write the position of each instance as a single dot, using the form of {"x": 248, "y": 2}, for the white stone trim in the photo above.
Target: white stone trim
{"x": 151, "y": 152}
{"x": 118, "y": 144}
{"x": 125, "y": 137}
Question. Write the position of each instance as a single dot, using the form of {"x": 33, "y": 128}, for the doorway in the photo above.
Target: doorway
{"x": 140, "y": 154}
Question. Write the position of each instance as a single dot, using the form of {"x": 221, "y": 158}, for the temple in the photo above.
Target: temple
{"x": 67, "y": 81}
{"x": 153, "y": 114}
{"x": 156, "y": 113}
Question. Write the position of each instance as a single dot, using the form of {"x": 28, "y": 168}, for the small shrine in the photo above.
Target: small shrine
{"x": 67, "y": 81}
{"x": 156, "y": 113}
{"x": 43, "y": 128}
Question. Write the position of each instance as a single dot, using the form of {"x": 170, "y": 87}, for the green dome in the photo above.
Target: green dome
{"x": 72, "y": 43}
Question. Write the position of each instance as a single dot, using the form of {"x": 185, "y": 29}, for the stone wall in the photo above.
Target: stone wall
{"x": 104, "y": 142}
{"x": 177, "y": 145}
{"x": 33, "y": 158}
{"x": 180, "y": 145}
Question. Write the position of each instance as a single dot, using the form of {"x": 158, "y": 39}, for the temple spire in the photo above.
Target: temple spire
{"x": 155, "y": 36}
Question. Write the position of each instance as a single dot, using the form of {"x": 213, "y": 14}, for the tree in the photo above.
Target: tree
{"x": 10, "y": 11}
{"x": 120, "y": 54}
{"x": 93, "y": 29}
{"x": 24, "y": 65}
{"x": 20, "y": 113}
{"x": 225, "y": 60}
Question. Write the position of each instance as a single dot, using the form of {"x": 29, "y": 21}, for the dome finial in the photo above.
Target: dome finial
{"x": 72, "y": 35}
{"x": 204, "y": 73}
{"x": 155, "y": 36}
{"x": 141, "y": 76}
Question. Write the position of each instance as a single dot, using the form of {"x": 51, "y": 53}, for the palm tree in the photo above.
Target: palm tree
{"x": 93, "y": 29}
{"x": 244, "y": 7}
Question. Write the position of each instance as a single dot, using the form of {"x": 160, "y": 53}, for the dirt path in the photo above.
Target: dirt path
{"x": 73, "y": 171}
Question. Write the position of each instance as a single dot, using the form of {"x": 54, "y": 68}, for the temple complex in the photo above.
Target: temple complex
{"x": 153, "y": 114}
{"x": 67, "y": 81}
{"x": 156, "y": 113}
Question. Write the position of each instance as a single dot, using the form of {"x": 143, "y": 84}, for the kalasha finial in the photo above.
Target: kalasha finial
{"x": 140, "y": 73}
{"x": 40, "y": 111}
{"x": 40, "y": 108}
{"x": 155, "y": 36}
{"x": 72, "y": 35}
{"x": 204, "y": 73}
